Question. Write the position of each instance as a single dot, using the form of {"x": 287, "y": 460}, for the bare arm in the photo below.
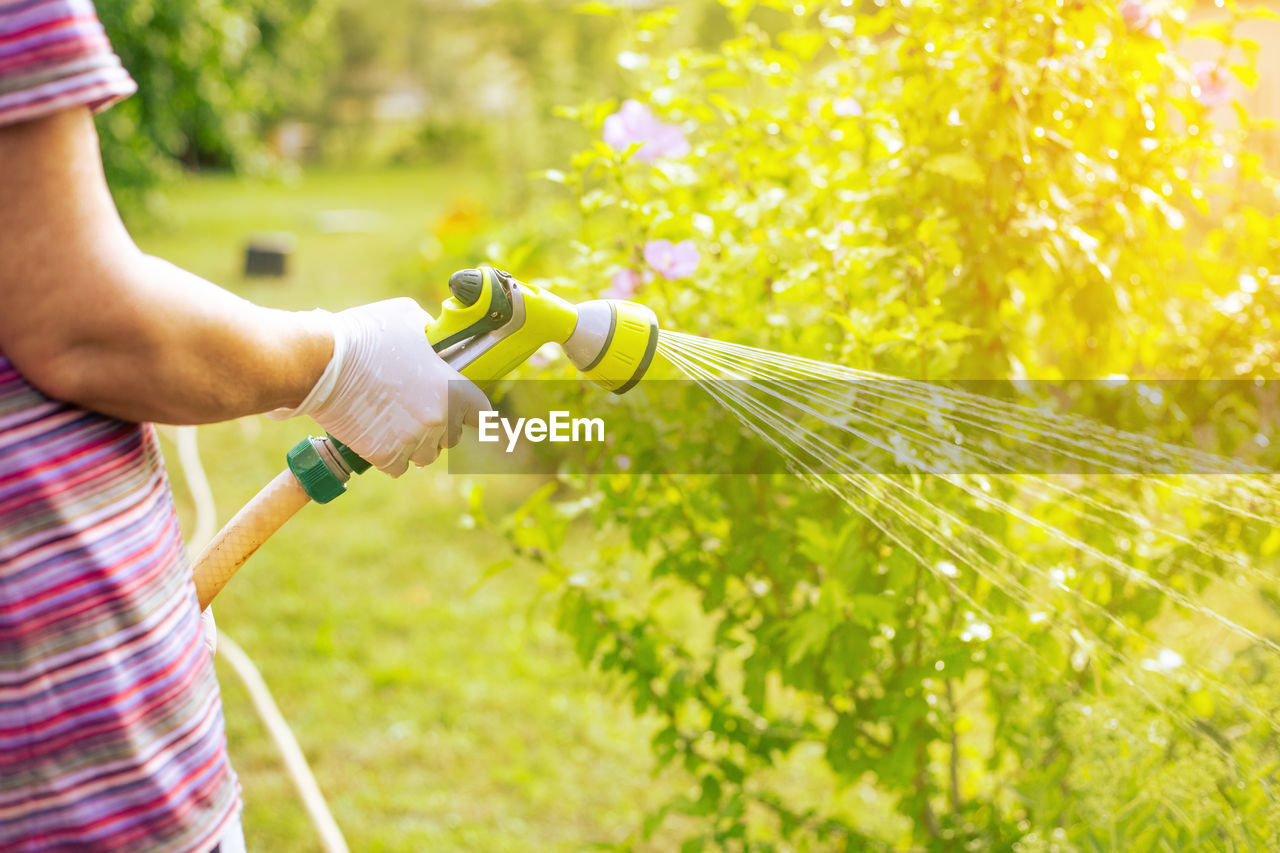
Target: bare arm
{"x": 88, "y": 318}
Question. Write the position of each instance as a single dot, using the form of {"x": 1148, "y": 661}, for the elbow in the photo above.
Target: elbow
{"x": 85, "y": 357}
{"x": 75, "y": 327}
{"x": 89, "y": 378}
{"x": 58, "y": 371}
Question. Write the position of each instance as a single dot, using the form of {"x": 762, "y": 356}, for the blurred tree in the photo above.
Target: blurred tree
{"x": 493, "y": 74}
{"x": 212, "y": 78}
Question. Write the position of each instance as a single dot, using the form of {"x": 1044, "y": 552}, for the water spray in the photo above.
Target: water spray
{"x": 490, "y": 325}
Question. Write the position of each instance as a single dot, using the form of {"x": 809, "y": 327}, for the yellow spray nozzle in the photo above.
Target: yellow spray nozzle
{"x": 493, "y": 322}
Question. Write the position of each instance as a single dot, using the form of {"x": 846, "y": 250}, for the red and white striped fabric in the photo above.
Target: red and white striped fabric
{"x": 111, "y": 729}
{"x": 54, "y": 54}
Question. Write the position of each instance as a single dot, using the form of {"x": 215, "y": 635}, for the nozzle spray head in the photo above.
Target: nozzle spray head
{"x": 613, "y": 342}
{"x": 494, "y": 322}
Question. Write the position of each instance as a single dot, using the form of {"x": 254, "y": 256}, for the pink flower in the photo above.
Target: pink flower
{"x": 671, "y": 260}
{"x": 846, "y": 107}
{"x": 624, "y": 284}
{"x": 1139, "y": 18}
{"x": 1212, "y": 87}
{"x": 635, "y": 123}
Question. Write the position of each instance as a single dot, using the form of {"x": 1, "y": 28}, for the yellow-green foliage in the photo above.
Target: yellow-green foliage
{"x": 957, "y": 188}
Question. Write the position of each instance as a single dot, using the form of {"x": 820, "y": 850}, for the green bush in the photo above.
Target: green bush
{"x": 966, "y": 188}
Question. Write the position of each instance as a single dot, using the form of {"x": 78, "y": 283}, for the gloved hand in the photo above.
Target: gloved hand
{"x": 385, "y": 393}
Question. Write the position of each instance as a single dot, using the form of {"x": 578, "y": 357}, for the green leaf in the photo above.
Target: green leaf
{"x": 490, "y": 572}
{"x": 709, "y": 801}
{"x": 802, "y": 44}
{"x": 595, "y": 7}
{"x": 960, "y": 167}
{"x": 807, "y": 633}
{"x": 1261, "y": 13}
{"x": 1246, "y": 74}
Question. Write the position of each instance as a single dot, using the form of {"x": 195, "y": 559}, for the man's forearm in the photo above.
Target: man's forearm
{"x": 175, "y": 348}
{"x": 90, "y": 319}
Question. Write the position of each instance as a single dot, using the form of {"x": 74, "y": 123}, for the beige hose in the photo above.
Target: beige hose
{"x": 225, "y": 554}
{"x": 245, "y": 533}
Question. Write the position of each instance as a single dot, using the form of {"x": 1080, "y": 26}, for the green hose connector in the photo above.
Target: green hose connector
{"x": 323, "y": 465}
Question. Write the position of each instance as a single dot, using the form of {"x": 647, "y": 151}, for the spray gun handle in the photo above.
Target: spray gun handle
{"x": 323, "y": 465}
{"x": 490, "y": 325}
{"x": 493, "y": 322}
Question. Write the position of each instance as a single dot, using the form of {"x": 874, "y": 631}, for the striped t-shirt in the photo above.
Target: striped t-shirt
{"x": 111, "y": 730}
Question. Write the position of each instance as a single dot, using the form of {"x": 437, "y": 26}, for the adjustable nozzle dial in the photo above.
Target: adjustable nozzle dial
{"x": 466, "y": 285}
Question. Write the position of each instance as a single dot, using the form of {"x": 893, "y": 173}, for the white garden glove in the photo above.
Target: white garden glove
{"x": 209, "y": 631}
{"x": 385, "y": 393}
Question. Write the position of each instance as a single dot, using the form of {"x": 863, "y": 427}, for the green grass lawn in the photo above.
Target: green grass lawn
{"x": 436, "y": 716}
